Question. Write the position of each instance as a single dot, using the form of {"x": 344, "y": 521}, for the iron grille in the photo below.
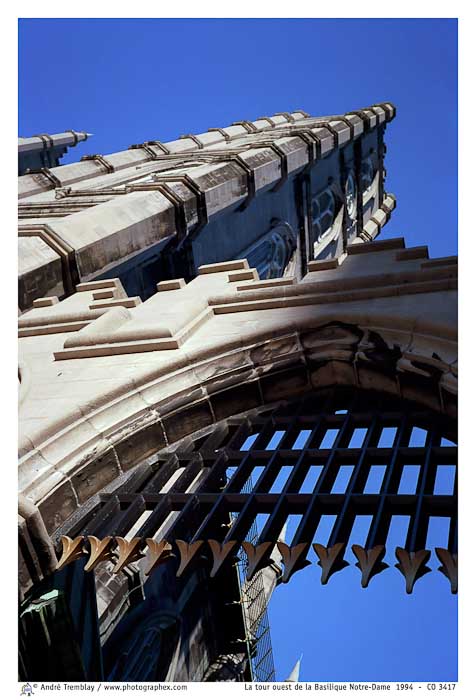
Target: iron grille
{"x": 185, "y": 492}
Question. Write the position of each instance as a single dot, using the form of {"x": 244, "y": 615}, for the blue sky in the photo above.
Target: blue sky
{"x": 128, "y": 81}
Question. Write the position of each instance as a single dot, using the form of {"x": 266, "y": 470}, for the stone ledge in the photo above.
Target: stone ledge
{"x": 99, "y": 284}
{"x": 413, "y": 253}
{"x": 440, "y": 262}
{"x": 226, "y": 266}
{"x": 127, "y": 303}
{"x": 243, "y": 275}
{"x": 376, "y": 246}
{"x": 267, "y": 284}
{"x": 317, "y": 265}
{"x": 45, "y": 301}
{"x": 169, "y": 285}
{"x": 51, "y": 328}
{"x": 348, "y": 295}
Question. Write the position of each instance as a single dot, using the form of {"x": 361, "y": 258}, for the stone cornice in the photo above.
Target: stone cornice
{"x": 343, "y": 128}
{"x": 196, "y": 301}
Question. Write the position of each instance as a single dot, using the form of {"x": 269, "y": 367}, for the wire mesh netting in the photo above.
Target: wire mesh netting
{"x": 255, "y": 612}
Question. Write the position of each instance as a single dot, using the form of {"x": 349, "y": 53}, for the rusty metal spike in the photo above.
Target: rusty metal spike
{"x": 128, "y": 552}
{"x": 257, "y": 557}
{"x": 161, "y": 552}
{"x": 100, "y": 551}
{"x": 369, "y": 561}
{"x": 293, "y": 558}
{"x": 331, "y": 559}
{"x": 412, "y": 565}
{"x": 220, "y": 553}
{"x": 449, "y": 566}
{"x": 187, "y": 554}
{"x": 72, "y": 550}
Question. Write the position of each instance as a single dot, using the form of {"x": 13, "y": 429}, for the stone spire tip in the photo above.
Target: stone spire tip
{"x": 294, "y": 675}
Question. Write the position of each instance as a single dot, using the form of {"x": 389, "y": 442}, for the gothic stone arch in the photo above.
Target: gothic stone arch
{"x": 109, "y": 384}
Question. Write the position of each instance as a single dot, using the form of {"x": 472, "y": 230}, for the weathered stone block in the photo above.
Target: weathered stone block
{"x": 227, "y": 380}
{"x": 179, "y": 400}
{"x": 275, "y": 349}
{"x": 95, "y": 475}
{"x": 281, "y": 385}
{"x": 332, "y": 373}
{"x": 185, "y": 422}
{"x": 376, "y": 381}
{"x": 58, "y": 505}
{"x": 235, "y": 400}
{"x": 140, "y": 445}
{"x": 40, "y": 271}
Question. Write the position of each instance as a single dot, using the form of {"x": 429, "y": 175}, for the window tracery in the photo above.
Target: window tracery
{"x": 271, "y": 253}
{"x": 367, "y": 174}
{"x": 351, "y": 195}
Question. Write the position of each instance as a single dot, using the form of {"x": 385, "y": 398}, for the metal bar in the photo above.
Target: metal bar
{"x": 101, "y": 522}
{"x": 345, "y": 518}
{"x": 381, "y": 521}
{"x": 417, "y": 532}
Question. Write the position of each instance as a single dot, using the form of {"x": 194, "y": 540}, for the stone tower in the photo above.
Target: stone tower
{"x": 45, "y": 151}
{"x": 195, "y": 315}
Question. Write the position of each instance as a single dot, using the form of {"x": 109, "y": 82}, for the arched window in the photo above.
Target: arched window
{"x": 351, "y": 195}
{"x": 271, "y": 253}
{"x": 323, "y": 209}
{"x": 366, "y": 174}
